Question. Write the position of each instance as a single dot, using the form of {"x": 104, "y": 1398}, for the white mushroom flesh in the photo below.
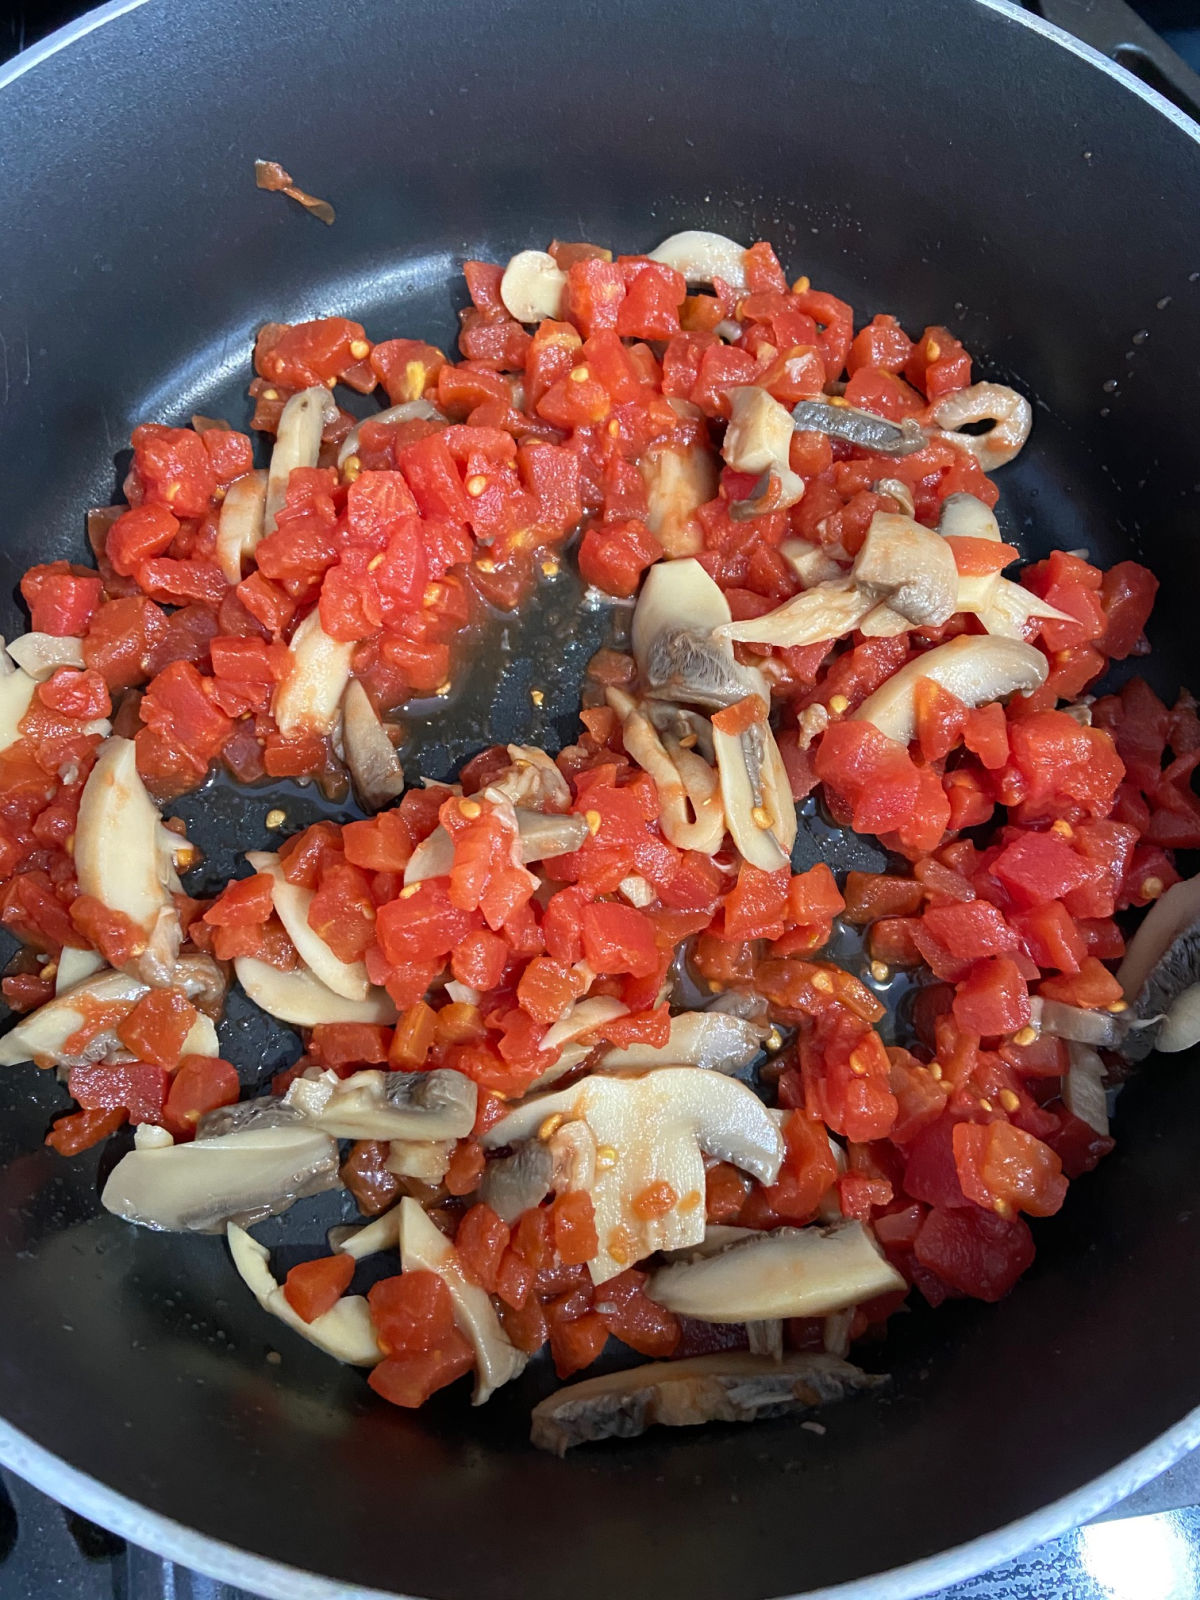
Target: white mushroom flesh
{"x": 1174, "y": 911}
{"x": 120, "y": 855}
{"x": 370, "y": 755}
{"x": 691, "y": 812}
{"x": 1010, "y": 412}
{"x": 1102, "y": 1029}
{"x": 1083, "y": 1088}
{"x": 16, "y": 696}
{"x": 758, "y": 439}
{"x": 703, "y": 257}
{"x": 977, "y": 670}
{"x": 1180, "y": 1027}
{"x": 709, "y": 1039}
{"x": 300, "y": 998}
{"x": 241, "y": 524}
{"x": 42, "y": 1035}
{"x": 74, "y": 966}
{"x": 345, "y": 1331}
{"x": 675, "y": 594}
{"x": 308, "y": 699}
{"x": 656, "y": 1129}
{"x": 908, "y": 566}
{"x": 381, "y": 1233}
{"x": 826, "y": 611}
{"x": 679, "y": 479}
{"x": 532, "y": 286}
{"x": 789, "y": 1272}
{"x": 243, "y": 1176}
{"x": 41, "y": 654}
{"x": 424, "y": 1248}
{"x": 297, "y": 444}
{"x": 346, "y": 978}
{"x": 759, "y": 810}
{"x": 432, "y": 1106}
{"x": 426, "y": 1162}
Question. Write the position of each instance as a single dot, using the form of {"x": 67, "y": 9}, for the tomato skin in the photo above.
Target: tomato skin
{"x": 202, "y": 1084}
{"x": 314, "y": 1287}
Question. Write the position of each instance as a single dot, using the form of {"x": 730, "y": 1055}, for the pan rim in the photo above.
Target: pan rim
{"x": 276, "y": 1580}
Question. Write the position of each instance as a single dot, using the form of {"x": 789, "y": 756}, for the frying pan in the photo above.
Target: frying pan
{"x": 948, "y": 160}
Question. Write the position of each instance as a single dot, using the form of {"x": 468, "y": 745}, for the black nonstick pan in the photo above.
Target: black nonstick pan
{"x": 949, "y": 160}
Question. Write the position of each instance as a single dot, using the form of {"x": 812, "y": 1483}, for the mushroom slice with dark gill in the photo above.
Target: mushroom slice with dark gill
{"x": 345, "y": 1331}
{"x": 1161, "y": 974}
{"x": 729, "y": 1387}
{"x": 240, "y": 1177}
{"x": 788, "y": 1272}
{"x": 861, "y": 428}
{"x": 518, "y": 1182}
{"x": 370, "y": 755}
{"x": 910, "y": 567}
{"x": 421, "y": 1106}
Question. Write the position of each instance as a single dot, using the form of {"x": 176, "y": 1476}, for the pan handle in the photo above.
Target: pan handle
{"x": 1116, "y": 30}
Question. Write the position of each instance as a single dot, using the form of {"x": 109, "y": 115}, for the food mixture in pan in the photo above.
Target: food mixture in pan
{"x": 602, "y": 1069}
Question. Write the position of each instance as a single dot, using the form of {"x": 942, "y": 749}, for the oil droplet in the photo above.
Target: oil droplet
{"x": 1106, "y": 411}
{"x": 1110, "y": 386}
{"x": 1141, "y": 336}
{"x": 1161, "y": 305}
{"x": 1194, "y": 277}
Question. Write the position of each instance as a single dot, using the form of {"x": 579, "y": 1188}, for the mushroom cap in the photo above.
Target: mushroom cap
{"x": 299, "y": 997}
{"x": 291, "y": 902}
{"x": 976, "y": 669}
{"x": 702, "y": 257}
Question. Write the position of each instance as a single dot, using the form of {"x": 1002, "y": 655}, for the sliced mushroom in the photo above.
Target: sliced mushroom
{"x": 908, "y": 566}
{"x": 74, "y": 966}
{"x": 571, "y": 1040}
{"x": 679, "y": 479}
{"x": 756, "y": 793}
{"x": 704, "y": 257}
{"x": 1161, "y": 974}
{"x": 543, "y": 835}
{"x": 691, "y": 813}
{"x": 732, "y": 1386}
{"x": 345, "y": 1331}
{"x": 533, "y": 781}
{"x": 16, "y": 696}
{"x": 242, "y": 1177}
{"x": 308, "y": 699}
{"x": 696, "y": 668}
{"x": 1009, "y": 412}
{"x": 406, "y": 411}
{"x": 425, "y": 1106}
{"x": 789, "y": 1272}
{"x": 1170, "y": 915}
{"x": 533, "y": 285}
{"x": 381, "y": 1233}
{"x": 964, "y": 516}
{"x": 1004, "y": 607}
{"x": 1083, "y": 1088}
{"x": 428, "y": 1163}
{"x": 241, "y": 523}
{"x": 713, "y": 1040}
{"x": 766, "y": 1338}
{"x": 977, "y": 670}
{"x": 423, "y": 1248}
{"x": 42, "y": 1035}
{"x": 811, "y": 563}
{"x": 826, "y": 611}
{"x": 674, "y": 595}
{"x": 1101, "y": 1029}
{"x": 291, "y": 902}
{"x": 297, "y": 444}
{"x": 300, "y": 998}
{"x": 758, "y": 439}
{"x": 513, "y": 1184}
{"x": 652, "y": 1130}
{"x": 121, "y": 856}
{"x": 861, "y": 428}
{"x": 371, "y": 756}
{"x": 1180, "y": 1026}
{"x": 883, "y": 623}
{"x": 41, "y": 654}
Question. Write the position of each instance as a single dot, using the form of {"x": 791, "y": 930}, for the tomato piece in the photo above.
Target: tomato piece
{"x": 1127, "y": 594}
{"x": 1005, "y": 1169}
{"x": 1092, "y": 987}
{"x": 340, "y": 1044}
{"x": 1062, "y": 767}
{"x": 975, "y": 1252}
{"x": 303, "y": 354}
{"x": 970, "y": 930}
{"x": 630, "y": 1315}
{"x": 938, "y": 365}
{"x": 421, "y": 927}
{"x": 808, "y": 1172}
{"x": 312, "y": 1288}
{"x": 174, "y": 469}
{"x": 157, "y": 1027}
{"x": 62, "y": 599}
{"x": 882, "y": 343}
{"x": 139, "y": 533}
{"x": 880, "y": 894}
{"x": 137, "y": 1087}
{"x": 992, "y": 998}
{"x": 574, "y": 1226}
{"x": 243, "y": 901}
{"x": 410, "y": 1380}
{"x": 117, "y": 937}
{"x": 1050, "y": 936}
{"x": 202, "y": 1084}
{"x": 82, "y": 1129}
{"x": 480, "y": 1243}
{"x": 619, "y": 938}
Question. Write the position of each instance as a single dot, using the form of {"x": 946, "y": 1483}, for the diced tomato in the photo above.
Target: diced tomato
{"x": 157, "y": 1028}
{"x": 574, "y": 1223}
{"x": 137, "y": 1087}
{"x": 202, "y": 1084}
{"x": 618, "y": 938}
{"x": 975, "y": 1252}
{"x": 62, "y": 599}
{"x": 1093, "y": 986}
{"x": 480, "y": 1243}
{"x": 992, "y": 998}
{"x": 1005, "y": 1169}
{"x": 312, "y": 1288}
{"x": 70, "y": 1136}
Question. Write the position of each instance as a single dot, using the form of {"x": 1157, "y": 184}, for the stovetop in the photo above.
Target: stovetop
{"x": 1145, "y": 1548}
